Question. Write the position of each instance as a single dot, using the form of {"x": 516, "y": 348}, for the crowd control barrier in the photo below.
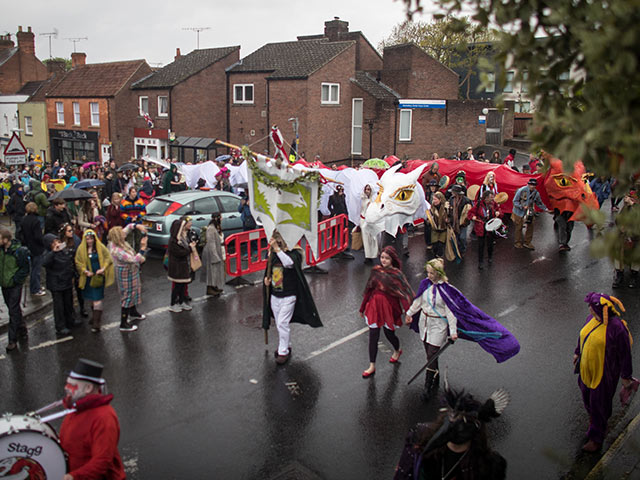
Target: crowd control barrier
{"x": 247, "y": 252}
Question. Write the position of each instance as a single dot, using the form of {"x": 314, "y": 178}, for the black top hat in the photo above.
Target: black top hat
{"x": 532, "y": 181}
{"x": 457, "y": 189}
{"x": 88, "y": 371}
{"x": 461, "y": 173}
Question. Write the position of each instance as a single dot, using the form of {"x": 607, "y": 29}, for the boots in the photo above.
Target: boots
{"x": 633, "y": 281}
{"x": 125, "y": 326}
{"x": 96, "y": 320}
{"x": 135, "y": 315}
{"x": 213, "y": 291}
{"x": 618, "y": 277}
{"x": 431, "y": 382}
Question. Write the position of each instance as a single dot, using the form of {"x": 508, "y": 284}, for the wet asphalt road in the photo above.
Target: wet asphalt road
{"x": 199, "y": 396}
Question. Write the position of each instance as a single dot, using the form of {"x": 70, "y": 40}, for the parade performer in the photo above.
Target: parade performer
{"x": 369, "y": 238}
{"x": 438, "y": 218}
{"x": 386, "y": 297}
{"x": 456, "y": 445}
{"x": 90, "y": 435}
{"x": 626, "y": 242}
{"x": 286, "y": 294}
{"x": 602, "y": 356}
{"x": 213, "y": 256}
{"x": 524, "y": 203}
{"x": 436, "y": 322}
{"x": 483, "y": 211}
{"x": 95, "y": 266}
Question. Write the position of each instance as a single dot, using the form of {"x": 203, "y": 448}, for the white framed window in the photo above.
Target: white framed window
{"x": 243, "y": 93}
{"x": 143, "y": 105}
{"x": 522, "y": 107}
{"x": 95, "y": 114}
{"x": 525, "y": 79}
{"x": 405, "y": 125}
{"x": 508, "y": 86}
{"x": 28, "y": 126}
{"x": 491, "y": 83}
{"x": 330, "y": 94}
{"x": 163, "y": 106}
{"x": 59, "y": 113}
{"x": 356, "y": 126}
{"x": 76, "y": 113}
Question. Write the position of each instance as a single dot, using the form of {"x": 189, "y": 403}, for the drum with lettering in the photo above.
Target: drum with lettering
{"x": 29, "y": 449}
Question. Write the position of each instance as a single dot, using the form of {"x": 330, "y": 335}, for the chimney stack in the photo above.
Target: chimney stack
{"x": 177, "y": 54}
{"x": 333, "y": 29}
{"x": 5, "y": 41}
{"x": 26, "y": 41}
{"x": 78, "y": 59}
{"x": 56, "y": 67}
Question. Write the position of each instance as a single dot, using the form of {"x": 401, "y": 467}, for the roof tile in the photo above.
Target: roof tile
{"x": 95, "y": 79}
{"x": 376, "y": 89}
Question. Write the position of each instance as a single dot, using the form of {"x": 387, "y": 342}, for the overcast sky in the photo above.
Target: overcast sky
{"x": 124, "y": 30}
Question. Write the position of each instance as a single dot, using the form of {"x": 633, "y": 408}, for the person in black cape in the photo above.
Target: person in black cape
{"x": 286, "y": 294}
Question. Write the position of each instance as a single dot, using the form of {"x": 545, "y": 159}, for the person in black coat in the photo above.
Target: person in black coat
{"x": 16, "y": 207}
{"x": 338, "y": 202}
{"x": 57, "y": 215}
{"x": 33, "y": 240}
{"x": 59, "y": 262}
{"x": 180, "y": 248}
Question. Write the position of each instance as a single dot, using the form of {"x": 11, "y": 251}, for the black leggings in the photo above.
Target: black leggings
{"x": 178, "y": 293}
{"x": 374, "y": 337}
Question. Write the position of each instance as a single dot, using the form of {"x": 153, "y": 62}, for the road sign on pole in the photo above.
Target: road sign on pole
{"x": 15, "y": 153}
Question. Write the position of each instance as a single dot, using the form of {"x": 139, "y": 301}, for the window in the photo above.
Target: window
{"x": 243, "y": 93}
{"x": 206, "y": 206}
{"x": 405, "y": 125}
{"x": 356, "y": 126}
{"x": 508, "y": 86}
{"x": 229, "y": 204}
{"x": 330, "y": 94}
{"x": 28, "y": 126}
{"x": 60, "y": 113}
{"x": 76, "y": 113}
{"x": 143, "y": 105}
{"x": 491, "y": 83}
{"x": 525, "y": 79}
{"x": 95, "y": 114}
{"x": 522, "y": 107}
{"x": 163, "y": 106}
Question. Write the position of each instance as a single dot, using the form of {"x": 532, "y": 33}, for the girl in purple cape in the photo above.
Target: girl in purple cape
{"x": 602, "y": 356}
{"x": 440, "y": 308}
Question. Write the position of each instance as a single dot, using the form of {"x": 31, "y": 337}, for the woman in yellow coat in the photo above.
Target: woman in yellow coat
{"x": 95, "y": 267}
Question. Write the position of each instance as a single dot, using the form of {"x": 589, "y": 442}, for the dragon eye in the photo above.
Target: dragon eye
{"x": 562, "y": 181}
{"x": 404, "y": 195}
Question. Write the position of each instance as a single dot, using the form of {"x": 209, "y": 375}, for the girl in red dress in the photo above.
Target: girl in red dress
{"x": 386, "y": 298}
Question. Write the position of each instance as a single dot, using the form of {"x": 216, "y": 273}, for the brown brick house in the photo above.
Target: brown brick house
{"x": 187, "y": 97}
{"x": 91, "y": 111}
{"x": 19, "y": 64}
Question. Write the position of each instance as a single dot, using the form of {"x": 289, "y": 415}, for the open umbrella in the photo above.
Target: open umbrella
{"x": 127, "y": 166}
{"x": 89, "y": 183}
{"x": 376, "y": 163}
{"x": 223, "y": 158}
{"x": 72, "y": 194}
{"x": 88, "y": 164}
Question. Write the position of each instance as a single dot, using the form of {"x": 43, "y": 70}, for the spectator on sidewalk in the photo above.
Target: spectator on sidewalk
{"x": 32, "y": 233}
{"x": 16, "y": 207}
{"x": 14, "y": 268}
{"x": 57, "y": 215}
{"x": 59, "y": 264}
{"x": 38, "y": 196}
{"x": 114, "y": 214}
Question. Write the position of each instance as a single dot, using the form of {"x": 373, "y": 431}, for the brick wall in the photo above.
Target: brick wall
{"x": 243, "y": 118}
{"x": 104, "y": 132}
{"x": 20, "y": 69}
{"x": 152, "y": 96}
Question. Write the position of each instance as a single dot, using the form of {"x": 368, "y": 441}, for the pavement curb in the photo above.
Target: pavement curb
{"x": 609, "y": 457}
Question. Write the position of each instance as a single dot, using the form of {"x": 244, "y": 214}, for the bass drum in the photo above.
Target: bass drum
{"x": 29, "y": 449}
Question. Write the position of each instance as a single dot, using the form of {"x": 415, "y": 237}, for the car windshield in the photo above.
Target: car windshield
{"x": 157, "y": 207}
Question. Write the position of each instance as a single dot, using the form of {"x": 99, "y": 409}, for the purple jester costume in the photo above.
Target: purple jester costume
{"x": 602, "y": 356}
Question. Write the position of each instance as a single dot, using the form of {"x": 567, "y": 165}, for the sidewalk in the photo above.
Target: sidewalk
{"x": 31, "y": 305}
{"x": 622, "y": 459}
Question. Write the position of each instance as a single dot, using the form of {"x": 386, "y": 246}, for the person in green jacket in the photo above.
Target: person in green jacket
{"x": 14, "y": 269}
{"x": 40, "y": 198}
{"x": 171, "y": 180}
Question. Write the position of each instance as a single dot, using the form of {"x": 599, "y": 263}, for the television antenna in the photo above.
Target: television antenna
{"x": 76, "y": 40}
{"x": 53, "y": 34}
{"x": 197, "y": 30}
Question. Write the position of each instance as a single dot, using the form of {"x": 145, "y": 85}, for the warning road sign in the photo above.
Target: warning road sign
{"x": 15, "y": 153}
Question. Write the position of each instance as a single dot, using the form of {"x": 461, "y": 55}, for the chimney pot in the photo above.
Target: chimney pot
{"x": 78, "y": 59}
{"x": 178, "y": 55}
{"x": 29, "y": 29}
{"x": 19, "y": 28}
{"x": 26, "y": 41}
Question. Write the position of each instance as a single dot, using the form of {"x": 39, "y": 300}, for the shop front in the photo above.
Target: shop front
{"x": 74, "y": 146}
{"x": 151, "y": 143}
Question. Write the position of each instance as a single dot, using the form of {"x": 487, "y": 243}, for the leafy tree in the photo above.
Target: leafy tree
{"x": 67, "y": 62}
{"x": 455, "y": 42}
{"x": 593, "y": 114}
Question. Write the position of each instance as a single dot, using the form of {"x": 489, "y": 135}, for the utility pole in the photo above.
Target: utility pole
{"x": 53, "y": 34}
{"x": 76, "y": 40}
{"x": 197, "y": 30}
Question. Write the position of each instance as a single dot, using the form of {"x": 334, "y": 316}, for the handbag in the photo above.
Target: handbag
{"x": 356, "y": 239}
{"x": 194, "y": 261}
{"x": 97, "y": 281}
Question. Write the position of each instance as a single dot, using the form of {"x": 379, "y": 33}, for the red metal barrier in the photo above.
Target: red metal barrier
{"x": 253, "y": 244}
{"x": 333, "y": 238}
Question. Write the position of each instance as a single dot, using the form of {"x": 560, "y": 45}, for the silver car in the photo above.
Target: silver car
{"x": 199, "y": 204}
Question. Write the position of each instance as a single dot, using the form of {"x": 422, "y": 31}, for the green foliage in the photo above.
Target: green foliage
{"x": 582, "y": 59}
{"x": 67, "y": 62}
{"x": 447, "y": 39}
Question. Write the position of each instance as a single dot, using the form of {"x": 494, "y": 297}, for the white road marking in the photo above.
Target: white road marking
{"x": 512, "y": 308}
{"x": 539, "y": 259}
{"x": 337, "y": 343}
{"x": 50, "y": 343}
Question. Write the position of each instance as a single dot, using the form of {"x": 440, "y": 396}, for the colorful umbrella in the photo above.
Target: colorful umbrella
{"x": 376, "y": 163}
{"x": 88, "y": 164}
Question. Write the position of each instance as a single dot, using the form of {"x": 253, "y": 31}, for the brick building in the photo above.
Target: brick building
{"x": 19, "y": 64}
{"x": 187, "y": 97}
{"x": 92, "y": 111}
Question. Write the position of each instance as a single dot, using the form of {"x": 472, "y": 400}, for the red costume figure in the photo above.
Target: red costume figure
{"x": 90, "y": 435}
